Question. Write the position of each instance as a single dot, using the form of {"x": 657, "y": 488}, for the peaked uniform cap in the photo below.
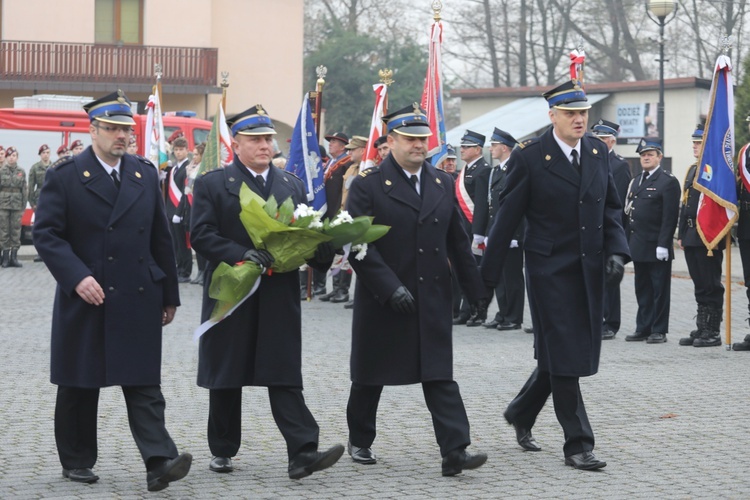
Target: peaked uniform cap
{"x": 472, "y": 138}
{"x": 649, "y": 144}
{"x": 604, "y": 128}
{"x": 569, "y": 96}
{"x": 698, "y": 134}
{"x": 503, "y": 137}
{"x": 252, "y": 121}
{"x": 410, "y": 121}
{"x": 451, "y": 152}
{"x": 112, "y": 108}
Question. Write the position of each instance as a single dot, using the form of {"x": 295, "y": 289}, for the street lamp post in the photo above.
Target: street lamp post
{"x": 659, "y": 11}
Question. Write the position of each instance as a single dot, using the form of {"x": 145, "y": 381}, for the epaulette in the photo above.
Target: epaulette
{"x": 669, "y": 173}
{"x": 145, "y": 160}
{"x": 292, "y": 174}
{"x": 620, "y": 157}
{"x": 63, "y": 161}
{"x": 528, "y": 142}
{"x": 206, "y": 172}
{"x": 369, "y": 171}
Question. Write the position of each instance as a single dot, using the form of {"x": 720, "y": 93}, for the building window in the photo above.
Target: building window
{"x": 119, "y": 22}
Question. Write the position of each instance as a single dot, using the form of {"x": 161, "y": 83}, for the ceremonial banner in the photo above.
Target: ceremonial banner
{"x": 376, "y": 126}
{"x": 156, "y": 144}
{"x": 577, "y": 58}
{"x": 218, "y": 152}
{"x": 304, "y": 157}
{"x": 717, "y": 207}
{"x": 432, "y": 98}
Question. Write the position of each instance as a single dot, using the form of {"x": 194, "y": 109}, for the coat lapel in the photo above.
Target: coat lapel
{"x": 397, "y": 186}
{"x": 94, "y": 177}
{"x": 555, "y": 162}
{"x": 592, "y": 156}
{"x": 433, "y": 191}
{"x": 131, "y": 188}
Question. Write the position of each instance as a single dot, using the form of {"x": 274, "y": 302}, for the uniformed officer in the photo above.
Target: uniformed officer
{"x": 472, "y": 144}
{"x": 705, "y": 270}
{"x": 381, "y": 144}
{"x": 101, "y": 230}
{"x": 510, "y": 292}
{"x": 63, "y": 153}
{"x": 608, "y": 131}
{"x": 76, "y": 147}
{"x": 743, "y": 226}
{"x": 449, "y": 164}
{"x": 175, "y": 190}
{"x": 652, "y": 207}
{"x": 2, "y": 156}
{"x": 36, "y": 179}
{"x": 12, "y": 204}
{"x": 260, "y": 344}
{"x": 562, "y": 184}
{"x": 401, "y": 329}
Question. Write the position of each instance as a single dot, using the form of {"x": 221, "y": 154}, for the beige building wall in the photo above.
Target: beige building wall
{"x": 260, "y": 44}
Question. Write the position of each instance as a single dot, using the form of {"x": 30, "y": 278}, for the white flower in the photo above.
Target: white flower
{"x": 361, "y": 250}
{"x": 303, "y": 210}
{"x": 342, "y": 217}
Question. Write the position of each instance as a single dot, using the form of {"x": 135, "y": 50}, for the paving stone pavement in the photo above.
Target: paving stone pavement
{"x": 671, "y": 421}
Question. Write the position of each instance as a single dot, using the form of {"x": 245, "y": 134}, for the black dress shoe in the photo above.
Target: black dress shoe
{"x": 38, "y": 259}
{"x": 349, "y": 305}
{"x": 171, "y": 470}
{"x": 341, "y": 296}
{"x": 656, "y": 338}
{"x": 523, "y": 436}
{"x": 305, "y": 463}
{"x": 504, "y": 327}
{"x": 319, "y": 291}
{"x": 221, "y": 464}
{"x": 328, "y": 296}
{"x": 491, "y": 324}
{"x": 637, "y": 337}
{"x": 742, "y": 346}
{"x": 474, "y": 321}
{"x": 361, "y": 455}
{"x": 458, "y": 460}
{"x": 708, "y": 341}
{"x": 528, "y": 330}
{"x": 85, "y": 475}
{"x": 608, "y": 334}
{"x": 183, "y": 279}
{"x": 585, "y": 461}
{"x": 461, "y": 320}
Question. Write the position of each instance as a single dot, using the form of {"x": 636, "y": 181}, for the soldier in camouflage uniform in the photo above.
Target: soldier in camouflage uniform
{"x": 36, "y": 179}
{"x": 2, "y": 156}
{"x": 12, "y": 205}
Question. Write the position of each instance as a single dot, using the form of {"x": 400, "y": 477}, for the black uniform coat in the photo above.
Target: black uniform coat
{"x": 572, "y": 225}
{"x": 654, "y": 207}
{"x": 389, "y": 348}
{"x": 621, "y": 175}
{"x": 479, "y": 168}
{"x": 85, "y": 227}
{"x": 260, "y": 343}
{"x": 486, "y": 207}
{"x": 687, "y": 229}
{"x": 743, "y": 201}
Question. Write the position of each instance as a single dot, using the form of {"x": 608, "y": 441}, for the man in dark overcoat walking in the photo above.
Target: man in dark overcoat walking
{"x": 260, "y": 344}
{"x": 652, "y": 208}
{"x": 561, "y": 183}
{"x": 401, "y": 330}
{"x": 102, "y": 232}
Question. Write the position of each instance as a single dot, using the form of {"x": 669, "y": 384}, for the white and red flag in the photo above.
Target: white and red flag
{"x": 376, "y": 125}
{"x": 432, "y": 98}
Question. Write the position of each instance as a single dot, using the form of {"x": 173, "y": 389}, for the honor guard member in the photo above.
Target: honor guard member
{"x": 63, "y": 153}
{"x": 381, "y": 144}
{"x": 76, "y": 147}
{"x": 608, "y": 131}
{"x": 175, "y": 190}
{"x": 743, "y": 226}
{"x": 401, "y": 328}
{"x": 705, "y": 270}
{"x": 36, "y": 179}
{"x": 13, "y": 192}
{"x": 475, "y": 165}
{"x": 260, "y": 344}
{"x": 574, "y": 242}
{"x": 652, "y": 208}
{"x": 101, "y": 230}
{"x": 510, "y": 291}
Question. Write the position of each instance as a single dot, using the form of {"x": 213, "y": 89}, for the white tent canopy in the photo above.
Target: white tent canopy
{"x": 521, "y": 118}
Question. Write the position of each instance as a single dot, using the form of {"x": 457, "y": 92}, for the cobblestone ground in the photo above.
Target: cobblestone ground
{"x": 671, "y": 421}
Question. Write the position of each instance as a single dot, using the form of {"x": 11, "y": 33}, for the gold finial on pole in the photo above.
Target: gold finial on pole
{"x": 321, "y": 71}
{"x": 437, "y": 6}
{"x": 224, "y": 85}
{"x": 386, "y": 76}
{"x": 725, "y": 43}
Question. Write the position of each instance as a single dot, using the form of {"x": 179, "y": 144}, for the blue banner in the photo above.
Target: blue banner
{"x": 304, "y": 158}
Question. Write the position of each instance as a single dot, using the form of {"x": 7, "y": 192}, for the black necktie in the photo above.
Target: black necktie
{"x": 115, "y": 178}
{"x": 261, "y": 182}
{"x": 414, "y": 181}
{"x": 644, "y": 177}
{"x": 575, "y": 163}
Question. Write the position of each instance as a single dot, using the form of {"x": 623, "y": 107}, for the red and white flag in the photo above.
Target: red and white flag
{"x": 376, "y": 125}
{"x": 577, "y": 59}
{"x": 432, "y": 98}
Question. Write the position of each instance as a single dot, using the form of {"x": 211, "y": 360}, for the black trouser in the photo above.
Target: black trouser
{"x": 76, "y": 419}
{"x": 653, "y": 285}
{"x": 443, "y": 400}
{"x": 612, "y": 317}
{"x": 465, "y": 306}
{"x": 745, "y": 257}
{"x": 569, "y": 408}
{"x": 510, "y": 292}
{"x": 293, "y": 418}
{"x": 705, "y": 272}
{"x": 182, "y": 253}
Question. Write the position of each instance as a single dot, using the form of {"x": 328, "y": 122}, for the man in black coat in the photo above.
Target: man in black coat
{"x": 562, "y": 184}
{"x": 101, "y": 230}
{"x": 652, "y": 208}
{"x": 401, "y": 330}
{"x": 743, "y": 227}
{"x": 175, "y": 190}
{"x": 260, "y": 344}
{"x": 607, "y": 131}
{"x": 475, "y": 166}
{"x": 704, "y": 269}
{"x": 510, "y": 291}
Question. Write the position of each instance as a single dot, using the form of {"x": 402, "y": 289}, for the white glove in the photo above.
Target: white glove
{"x": 486, "y": 239}
{"x": 513, "y": 243}
{"x": 478, "y": 239}
{"x": 176, "y": 219}
{"x": 662, "y": 253}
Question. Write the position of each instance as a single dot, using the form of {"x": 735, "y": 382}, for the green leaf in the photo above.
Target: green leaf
{"x": 271, "y": 207}
{"x": 286, "y": 212}
{"x": 374, "y": 232}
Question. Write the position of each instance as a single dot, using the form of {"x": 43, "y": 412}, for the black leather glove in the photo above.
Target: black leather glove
{"x": 614, "y": 269}
{"x": 260, "y": 257}
{"x": 324, "y": 252}
{"x": 478, "y": 309}
{"x": 402, "y": 301}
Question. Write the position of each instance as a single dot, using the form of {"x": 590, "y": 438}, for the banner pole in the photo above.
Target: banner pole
{"x": 728, "y": 292}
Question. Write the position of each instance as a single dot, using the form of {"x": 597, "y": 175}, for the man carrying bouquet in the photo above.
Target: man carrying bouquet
{"x": 402, "y": 325}
{"x": 259, "y": 344}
